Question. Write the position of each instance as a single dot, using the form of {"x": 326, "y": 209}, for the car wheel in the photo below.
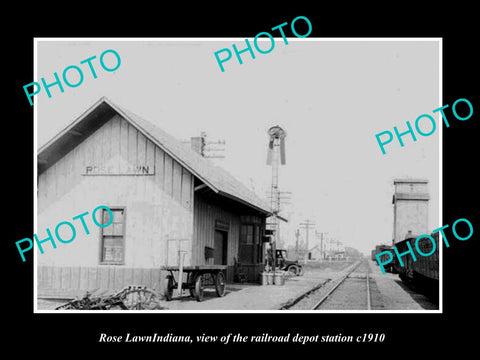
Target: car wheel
{"x": 293, "y": 270}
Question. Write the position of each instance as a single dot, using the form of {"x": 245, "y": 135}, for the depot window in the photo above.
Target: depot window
{"x": 113, "y": 237}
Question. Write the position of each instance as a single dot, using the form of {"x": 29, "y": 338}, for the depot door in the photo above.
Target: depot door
{"x": 250, "y": 254}
{"x": 220, "y": 248}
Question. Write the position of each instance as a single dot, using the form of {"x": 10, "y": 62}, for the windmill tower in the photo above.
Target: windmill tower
{"x": 275, "y": 157}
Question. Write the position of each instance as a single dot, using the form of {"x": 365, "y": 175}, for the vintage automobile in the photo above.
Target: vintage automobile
{"x": 283, "y": 263}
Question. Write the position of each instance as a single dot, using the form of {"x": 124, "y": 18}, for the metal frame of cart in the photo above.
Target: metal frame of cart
{"x": 198, "y": 278}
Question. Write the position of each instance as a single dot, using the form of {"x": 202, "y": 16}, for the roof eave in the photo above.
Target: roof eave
{"x": 72, "y": 125}
{"x": 253, "y": 206}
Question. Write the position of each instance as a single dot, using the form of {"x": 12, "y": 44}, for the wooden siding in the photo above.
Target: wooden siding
{"x": 158, "y": 207}
{"x": 205, "y": 215}
{"x": 115, "y": 142}
{"x": 74, "y": 281}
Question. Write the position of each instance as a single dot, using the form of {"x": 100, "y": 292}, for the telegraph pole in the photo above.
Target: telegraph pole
{"x": 320, "y": 234}
{"x": 297, "y": 235}
{"x": 208, "y": 149}
{"x": 307, "y": 224}
{"x": 277, "y": 201}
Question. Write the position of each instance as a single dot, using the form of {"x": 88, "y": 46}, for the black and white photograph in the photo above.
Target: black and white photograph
{"x": 250, "y": 189}
{"x": 224, "y": 181}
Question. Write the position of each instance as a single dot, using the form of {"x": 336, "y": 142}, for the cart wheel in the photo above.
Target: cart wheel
{"x": 140, "y": 298}
{"x": 199, "y": 287}
{"x": 168, "y": 292}
{"x": 220, "y": 284}
{"x": 191, "y": 284}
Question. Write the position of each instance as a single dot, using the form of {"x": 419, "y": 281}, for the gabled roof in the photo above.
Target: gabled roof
{"x": 215, "y": 177}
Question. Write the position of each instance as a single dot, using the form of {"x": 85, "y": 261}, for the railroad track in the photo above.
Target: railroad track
{"x": 341, "y": 282}
{"x": 350, "y": 291}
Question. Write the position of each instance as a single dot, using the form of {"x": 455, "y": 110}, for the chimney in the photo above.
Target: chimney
{"x": 198, "y": 144}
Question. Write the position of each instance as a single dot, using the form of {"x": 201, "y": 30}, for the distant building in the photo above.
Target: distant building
{"x": 332, "y": 250}
{"x": 410, "y": 208}
{"x": 315, "y": 253}
{"x": 352, "y": 253}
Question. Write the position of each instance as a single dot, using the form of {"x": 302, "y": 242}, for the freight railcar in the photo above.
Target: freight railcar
{"x": 383, "y": 258}
{"x": 422, "y": 274}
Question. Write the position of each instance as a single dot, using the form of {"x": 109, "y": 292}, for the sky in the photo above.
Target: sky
{"x": 330, "y": 95}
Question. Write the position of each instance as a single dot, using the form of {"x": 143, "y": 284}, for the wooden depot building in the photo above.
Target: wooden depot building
{"x": 164, "y": 196}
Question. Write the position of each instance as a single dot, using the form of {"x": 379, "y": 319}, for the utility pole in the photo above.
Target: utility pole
{"x": 281, "y": 197}
{"x": 213, "y": 149}
{"x": 208, "y": 149}
{"x": 297, "y": 235}
{"x": 278, "y": 200}
{"x": 321, "y": 245}
{"x": 307, "y": 224}
{"x": 322, "y": 248}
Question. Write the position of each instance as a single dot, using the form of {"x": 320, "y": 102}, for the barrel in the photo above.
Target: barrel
{"x": 269, "y": 278}
{"x": 279, "y": 278}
